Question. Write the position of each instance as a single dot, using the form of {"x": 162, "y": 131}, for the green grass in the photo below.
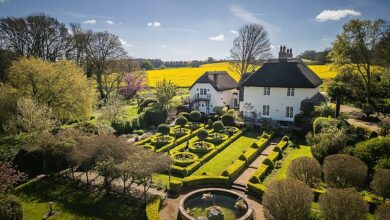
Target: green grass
{"x": 73, "y": 202}
{"x": 302, "y": 151}
{"x": 231, "y": 153}
{"x": 163, "y": 179}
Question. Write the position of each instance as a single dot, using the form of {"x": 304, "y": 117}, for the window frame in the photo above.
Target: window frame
{"x": 265, "y": 110}
{"x": 267, "y": 91}
{"x": 289, "y": 112}
{"x": 290, "y": 92}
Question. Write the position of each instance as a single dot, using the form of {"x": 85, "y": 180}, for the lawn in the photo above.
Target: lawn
{"x": 186, "y": 76}
{"x": 302, "y": 151}
{"x": 226, "y": 157}
{"x": 73, "y": 202}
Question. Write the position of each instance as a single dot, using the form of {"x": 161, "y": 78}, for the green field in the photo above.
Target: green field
{"x": 226, "y": 157}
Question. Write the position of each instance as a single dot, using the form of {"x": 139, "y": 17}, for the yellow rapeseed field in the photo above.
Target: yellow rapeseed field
{"x": 186, "y": 76}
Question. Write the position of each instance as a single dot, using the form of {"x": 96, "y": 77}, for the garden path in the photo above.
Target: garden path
{"x": 243, "y": 179}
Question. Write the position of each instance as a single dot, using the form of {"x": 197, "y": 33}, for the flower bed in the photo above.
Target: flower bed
{"x": 184, "y": 158}
{"x": 180, "y": 132}
{"x": 216, "y": 138}
{"x": 231, "y": 130}
{"x": 159, "y": 141}
{"x": 201, "y": 147}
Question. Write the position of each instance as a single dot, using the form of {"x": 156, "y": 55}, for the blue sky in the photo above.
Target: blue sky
{"x": 197, "y": 29}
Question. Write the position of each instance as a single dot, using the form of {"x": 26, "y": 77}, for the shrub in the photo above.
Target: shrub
{"x": 192, "y": 181}
{"x": 298, "y": 120}
{"x": 288, "y": 199}
{"x": 200, "y": 147}
{"x": 381, "y": 183}
{"x": 371, "y": 151}
{"x": 265, "y": 136}
{"x": 195, "y": 116}
{"x": 202, "y": 134}
{"x": 210, "y": 123}
{"x": 343, "y": 204}
{"x": 382, "y": 212}
{"x": 184, "y": 158}
{"x": 234, "y": 169}
{"x": 10, "y": 208}
{"x": 163, "y": 129}
{"x": 152, "y": 209}
{"x": 260, "y": 174}
{"x": 181, "y": 121}
{"x": 145, "y": 103}
{"x": 268, "y": 162}
{"x": 153, "y": 115}
{"x": 184, "y": 114}
{"x": 305, "y": 169}
{"x": 250, "y": 154}
{"x": 285, "y": 139}
{"x": 218, "y": 126}
{"x": 322, "y": 122}
{"x": 175, "y": 185}
{"x": 228, "y": 120}
{"x": 256, "y": 189}
{"x": 342, "y": 171}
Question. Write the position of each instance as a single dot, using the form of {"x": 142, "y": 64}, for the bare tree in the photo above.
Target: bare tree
{"x": 250, "y": 48}
{"x": 35, "y": 35}
{"x": 102, "y": 48}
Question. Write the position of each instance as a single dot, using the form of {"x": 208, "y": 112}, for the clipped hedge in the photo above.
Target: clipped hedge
{"x": 234, "y": 169}
{"x": 175, "y": 185}
{"x": 261, "y": 143}
{"x": 274, "y": 156}
{"x": 250, "y": 154}
{"x": 152, "y": 209}
{"x": 178, "y": 161}
{"x": 195, "y": 181}
{"x": 256, "y": 189}
{"x": 260, "y": 174}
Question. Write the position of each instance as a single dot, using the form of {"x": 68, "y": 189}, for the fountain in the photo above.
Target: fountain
{"x": 214, "y": 204}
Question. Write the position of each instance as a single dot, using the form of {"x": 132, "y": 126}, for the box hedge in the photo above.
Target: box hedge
{"x": 175, "y": 185}
{"x": 234, "y": 169}
{"x": 152, "y": 209}
{"x": 261, "y": 172}
{"x": 250, "y": 154}
{"x": 193, "y": 181}
{"x": 256, "y": 189}
{"x": 274, "y": 156}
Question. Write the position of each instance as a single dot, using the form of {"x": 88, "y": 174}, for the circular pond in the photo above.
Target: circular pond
{"x": 214, "y": 203}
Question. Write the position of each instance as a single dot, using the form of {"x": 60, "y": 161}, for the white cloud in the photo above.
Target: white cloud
{"x": 217, "y": 38}
{"x": 234, "y": 32}
{"x": 154, "y": 24}
{"x": 93, "y": 21}
{"x": 109, "y": 22}
{"x": 164, "y": 46}
{"x": 249, "y": 17}
{"x": 2, "y": 1}
{"x": 335, "y": 15}
{"x": 124, "y": 43}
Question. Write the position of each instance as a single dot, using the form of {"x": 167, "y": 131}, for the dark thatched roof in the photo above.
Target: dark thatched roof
{"x": 291, "y": 73}
{"x": 220, "y": 80}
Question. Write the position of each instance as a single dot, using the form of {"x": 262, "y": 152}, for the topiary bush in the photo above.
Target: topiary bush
{"x": 373, "y": 150}
{"x": 216, "y": 138}
{"x": 228, "y": 120}
{"x": 382, "y": 212}
{"x": 305, "y": 169}
{"x": 288, "y": 199}
{"x": 159, "y": 141}
{"x": 381, "y": 183}
{"x": 181, "y": 121}
{"x": 152, "y": 209}
{"x": 10, "y": 208}
{"x": 145, "y": 103}
{"x": 343, "y": 204}
{"x": 343, "y": 171}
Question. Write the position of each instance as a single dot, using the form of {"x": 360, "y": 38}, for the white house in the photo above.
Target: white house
{"x": 213, "y": 89}
{"x": 280, "y": 89}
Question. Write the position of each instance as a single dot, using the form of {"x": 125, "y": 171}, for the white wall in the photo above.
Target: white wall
{"x": 217, "y": 98}
{"x": 277, "y": 100}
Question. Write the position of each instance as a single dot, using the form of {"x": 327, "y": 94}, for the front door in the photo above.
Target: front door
{"x": 202, "y": 107}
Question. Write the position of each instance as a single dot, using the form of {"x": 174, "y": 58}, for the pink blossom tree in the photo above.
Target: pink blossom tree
{"x": 135, "y": 82}
{"x": 9, "y": 176}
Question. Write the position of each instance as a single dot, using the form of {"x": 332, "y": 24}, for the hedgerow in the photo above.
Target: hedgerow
{"x": 233, "y": 170}
{"x": 152, "y": 209}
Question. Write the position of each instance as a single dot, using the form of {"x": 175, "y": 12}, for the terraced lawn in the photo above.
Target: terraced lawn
{"x": 302, "y": 151}
{"x": 231, "y": 153}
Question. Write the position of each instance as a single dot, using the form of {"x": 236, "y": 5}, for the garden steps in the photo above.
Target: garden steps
{"x": 239, "y": 187}
{"x": 248, "y": 172}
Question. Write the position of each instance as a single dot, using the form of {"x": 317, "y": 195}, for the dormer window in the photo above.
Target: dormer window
{"x": 290, "y": 91}
{"x": 267, "y": 91}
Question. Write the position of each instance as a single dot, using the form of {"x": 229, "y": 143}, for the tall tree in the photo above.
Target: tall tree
{"x": 102, "y": 48}
{"x": 250, "y": 48}
{"x": 35, "y": 35}
{"x": 355, "y": 47}
{"x": 62, "y": 86}
{"x": 165, "y": 91}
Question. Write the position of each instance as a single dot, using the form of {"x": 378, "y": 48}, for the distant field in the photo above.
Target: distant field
{"x": 186, "y": 76}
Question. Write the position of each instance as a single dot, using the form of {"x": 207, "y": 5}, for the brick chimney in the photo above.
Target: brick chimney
{"x": 289, "y": 53}
{"x": 282, "y": 53}
{"x": 215, "y": 78}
